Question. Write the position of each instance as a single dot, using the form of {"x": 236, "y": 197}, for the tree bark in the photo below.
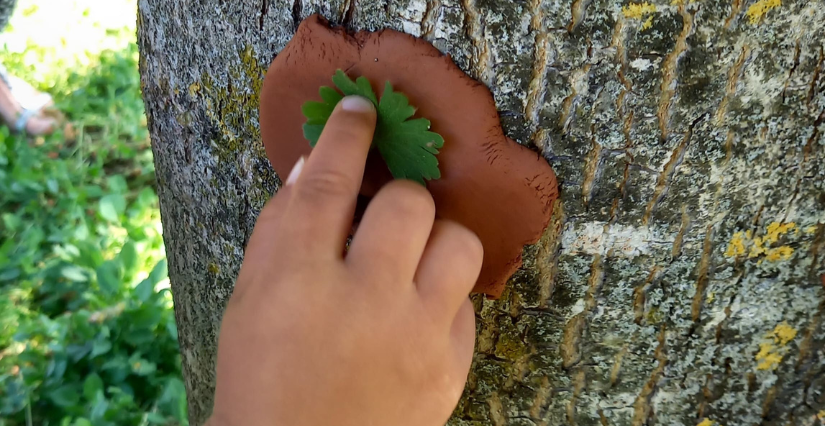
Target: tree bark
{"x": 679, "y": 282}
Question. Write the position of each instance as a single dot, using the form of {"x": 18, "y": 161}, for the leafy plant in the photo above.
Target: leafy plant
{"x": 407, "y": 145}
{"x": 87, "y": 330}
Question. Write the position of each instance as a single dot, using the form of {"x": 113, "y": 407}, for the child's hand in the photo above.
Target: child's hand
{"x": 380, "y": 337}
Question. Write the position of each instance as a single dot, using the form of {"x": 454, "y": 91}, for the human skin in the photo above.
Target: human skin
{"x": 381, "y": 334}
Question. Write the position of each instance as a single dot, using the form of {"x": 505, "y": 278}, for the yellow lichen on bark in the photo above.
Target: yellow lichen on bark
{"x": 760, "y": 9}
{"x": 736, "y": 246}
{"x": 768, "y": 357}
{"x": 639, "y": 11}
{"x": 773, "y": 349}
{"x": 776, "y": 230}
{"x": 779, "y": 253}
{"x": 784, "y": 333}
{"x": 744, "y": 242}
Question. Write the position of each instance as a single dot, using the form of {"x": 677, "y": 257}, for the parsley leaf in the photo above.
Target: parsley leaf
{"x": 407, "y": 145}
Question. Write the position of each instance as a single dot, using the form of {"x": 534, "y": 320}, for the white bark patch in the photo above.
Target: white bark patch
{"x": 412, "y": 17}
{"x": 599, "y": 238}
{"x": 641, "y": 64}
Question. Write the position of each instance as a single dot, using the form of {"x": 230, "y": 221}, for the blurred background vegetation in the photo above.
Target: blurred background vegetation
{"x": 87, "y": 332}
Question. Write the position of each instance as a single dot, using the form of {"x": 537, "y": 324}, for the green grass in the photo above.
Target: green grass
{"x": 87, "y": 332}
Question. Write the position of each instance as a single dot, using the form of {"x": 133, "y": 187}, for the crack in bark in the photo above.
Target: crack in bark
{"x": 791, "y": 72}
{"x": 349, "y": 13}
{"x": 642, "y": 408}
{"x": 702, "y": 279}
{"x": 736, "y": 6}
{"x": 571, "y": 340}
{"x": 618, "y": 43}
{"x": 428, "y": 22}
{"x": 683, "y": 228}
{"x": 297, "y": 9}
{"x": 542, "y": 398}
{"x": 578, "y": 11}
{"x": 481, "y": 57}
{"x": 591, "y": 170}
{"x": 547, "y": 258}
{"x": 767, "y": 404}
{"x": 497, "y": 414}
{"x": 807, "y": 342}
{"x": 815, "y": 78}
{"x": 640, "y": 293}
{"x": 596, "y": 282}
{"x": 806, "y": 152}
{"x": 574, "y": 329}
{"x": 669, "y": 71}
{"x": 264, "y": 9}
{"x": 625, "y": 116}
{"x": 666, "y": 176}
{"x": 734, "y": 73}
{"x": 578, "y": 386}
{"x": 617, "y": 366}
{"x": 819, "y": 243}
{"x": 569, "y": 104}
{"x": 718, "y": 333}
{"x": 536, "y": 89}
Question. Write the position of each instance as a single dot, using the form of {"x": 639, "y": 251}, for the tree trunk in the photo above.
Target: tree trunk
{"x": 679, "y": 282}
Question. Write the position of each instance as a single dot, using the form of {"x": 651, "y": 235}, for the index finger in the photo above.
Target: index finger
{"x": 323, "y": 197}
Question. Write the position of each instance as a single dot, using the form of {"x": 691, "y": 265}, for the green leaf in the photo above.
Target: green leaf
{"x": 142, "y": 367}
{"x": 111, "y": 206}
{"x": 159, "y": 272}
{"x": 318, "y": 113}
{"x": 172, "y": 329}
{"x": 91, "y": 386}
{"x": 73, "y": 273}
{"x": 65, "y": 396}
{"x": 145, "y": 290}
{"x": 360, "y": 87}
{"x": 128, "y": 257}
{"x": 99, "y": 408}
{"x": 156, "y": 419}
{"x": 9, "y": 274}
{"x": 100, "y": 347}
{"x": 108, "y": 277}
{"x": 407, "y": 145}
{"x": 82, "y": 422}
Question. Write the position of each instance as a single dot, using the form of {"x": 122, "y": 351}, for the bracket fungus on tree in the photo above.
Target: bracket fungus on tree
{"x": 501, "y": 190}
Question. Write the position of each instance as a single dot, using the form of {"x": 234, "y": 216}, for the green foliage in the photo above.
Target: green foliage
{"x": 87, "y": 331}
{"x": 407, "y": 145}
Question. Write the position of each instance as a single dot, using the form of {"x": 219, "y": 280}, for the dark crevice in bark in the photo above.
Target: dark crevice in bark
{"x": 349, "y": 12}
{"x": 264, "y": 8}
{"x": 813, "y": 89}
{"x": 297, "y": 7}
{"x": 793, "y": 69}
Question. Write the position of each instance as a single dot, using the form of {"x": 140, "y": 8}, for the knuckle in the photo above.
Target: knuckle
{"x": 328, "y": 183}
{"x": 410, "y": 199}
{"x": 466, "y": 242}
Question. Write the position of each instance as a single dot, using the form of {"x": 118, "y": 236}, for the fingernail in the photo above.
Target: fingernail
{"x": 296, "y": 171}
{"x": 357, "y": 104}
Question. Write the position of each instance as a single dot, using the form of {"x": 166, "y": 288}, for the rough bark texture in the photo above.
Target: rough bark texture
{"x": 679, "y": 282}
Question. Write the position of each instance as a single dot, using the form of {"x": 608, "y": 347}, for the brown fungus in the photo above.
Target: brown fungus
{"x": 501, "y": 190}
